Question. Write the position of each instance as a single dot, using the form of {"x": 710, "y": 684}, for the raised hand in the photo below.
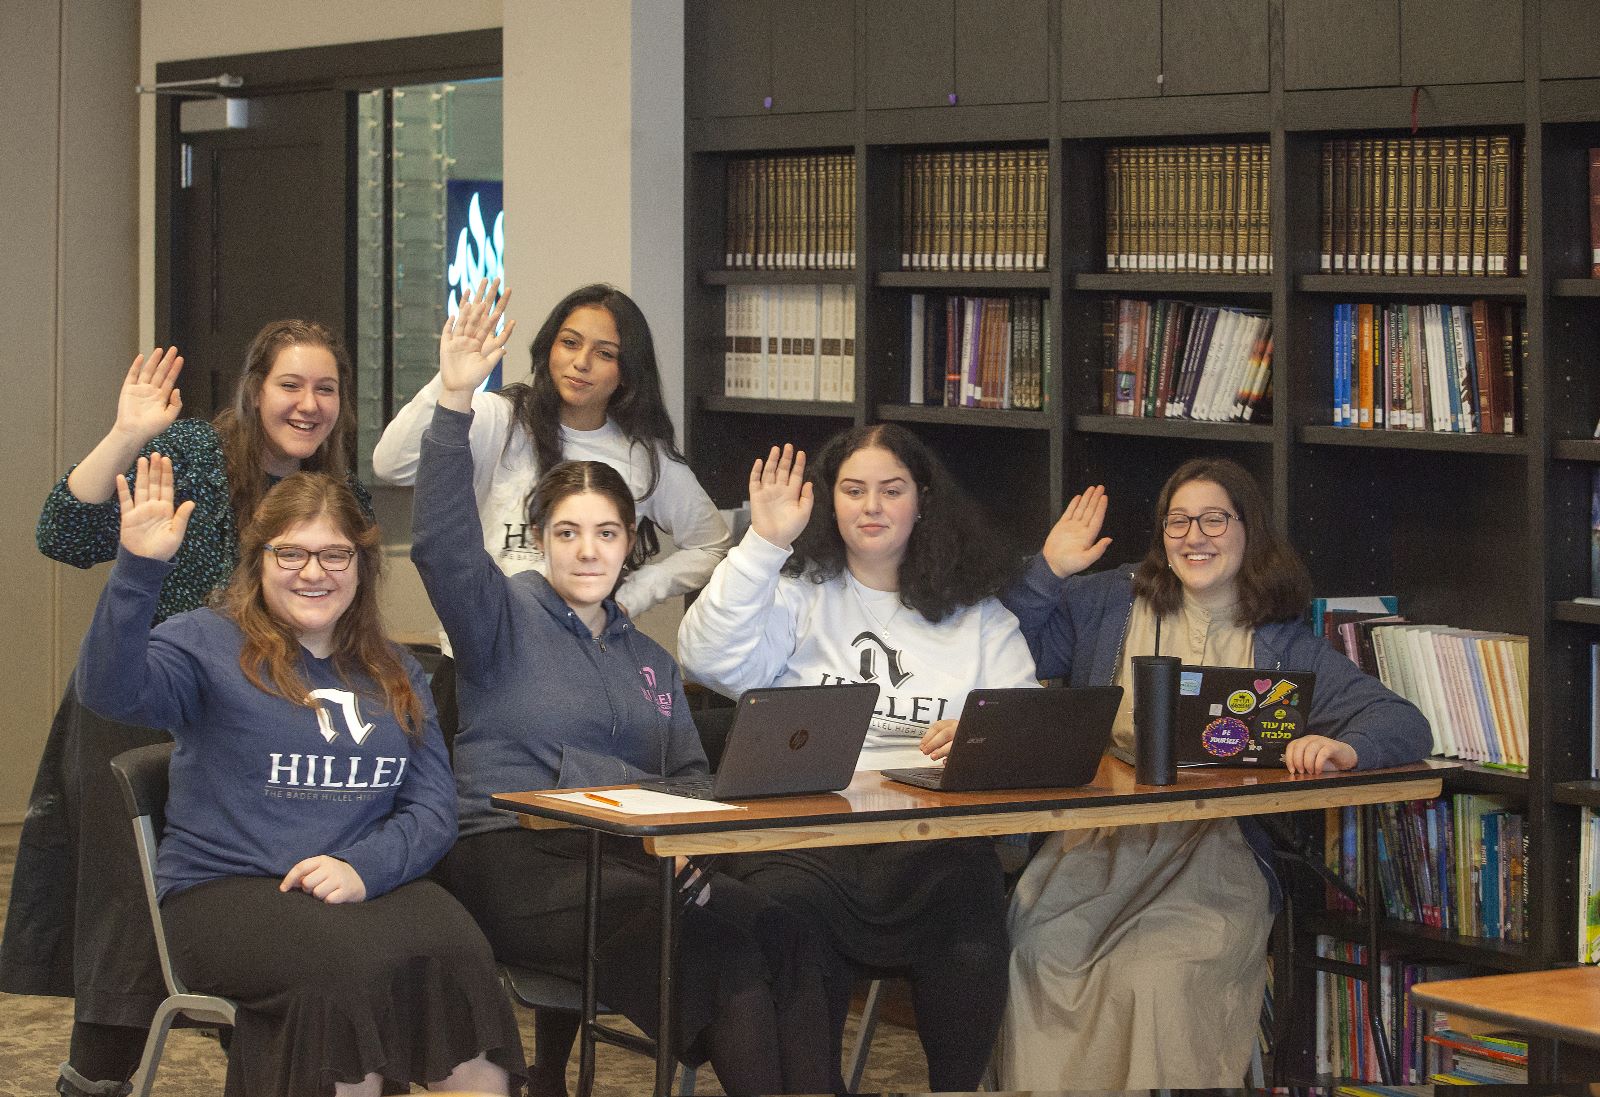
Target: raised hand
{"x": 149, "y": 402}
{"x": 151, "y": 526}
{"x": 469, "y": 348}
{"x": 326, "y": 878}
{"x": 1075, "y": 542}
{"x": 780, "y": 497}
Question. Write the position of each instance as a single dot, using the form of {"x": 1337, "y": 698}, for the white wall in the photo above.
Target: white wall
{"x": 593, "y": 139}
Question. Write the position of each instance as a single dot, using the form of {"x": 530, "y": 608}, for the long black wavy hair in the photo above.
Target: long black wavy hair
{"x": 636, "y": 406}
{"x": 952, "y": 559}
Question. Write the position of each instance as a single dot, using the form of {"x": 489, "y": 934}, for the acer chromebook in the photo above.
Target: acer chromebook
{"x": 786, "y": 740}
{"x": 1023, "y": 738}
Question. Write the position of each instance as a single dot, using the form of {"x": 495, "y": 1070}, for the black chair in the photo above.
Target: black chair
{"x": 142, "y": 774}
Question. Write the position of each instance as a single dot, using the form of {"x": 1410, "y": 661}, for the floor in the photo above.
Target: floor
{"x": 34, "y": 1032}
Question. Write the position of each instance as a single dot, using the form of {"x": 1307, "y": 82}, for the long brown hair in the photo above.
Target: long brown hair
{"x": 1272, "y": 582}
{"x": 270, "y": 657}
{"x": 239, "y": 426}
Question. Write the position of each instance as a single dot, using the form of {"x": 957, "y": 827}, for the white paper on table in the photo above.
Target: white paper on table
{"x": 642, "y": 801}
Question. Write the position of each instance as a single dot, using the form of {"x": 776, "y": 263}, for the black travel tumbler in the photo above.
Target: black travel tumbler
{"x": 1155, "y": 708}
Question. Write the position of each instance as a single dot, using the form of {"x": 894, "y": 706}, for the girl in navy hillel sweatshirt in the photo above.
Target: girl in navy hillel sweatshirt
{"x": 310, "y": 792}
{"x": 558, "y": 689}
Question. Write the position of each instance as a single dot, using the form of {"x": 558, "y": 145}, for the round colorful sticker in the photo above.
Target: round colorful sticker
{"x": 1225, "y": 737}
{"x": 1241, "y": 701}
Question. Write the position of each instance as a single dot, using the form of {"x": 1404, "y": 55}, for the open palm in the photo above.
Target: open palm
{"x": 469, "y": 347}
{"x": 149, "y": 403}
{"x": 151, "y": 526}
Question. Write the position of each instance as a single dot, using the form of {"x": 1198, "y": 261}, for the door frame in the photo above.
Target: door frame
{"x": 352, "y": 67}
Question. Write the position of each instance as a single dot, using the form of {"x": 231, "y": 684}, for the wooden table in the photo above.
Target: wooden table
{"x": 874, "y": 809}
{"x": 1561, "y": 1005}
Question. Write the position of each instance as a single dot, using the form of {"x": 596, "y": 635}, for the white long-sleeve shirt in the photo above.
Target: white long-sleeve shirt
{"x": 753, "y": 626}
{"x": 503, "y": 474}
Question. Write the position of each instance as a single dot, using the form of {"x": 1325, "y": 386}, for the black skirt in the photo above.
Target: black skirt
{"x": 403, "y": 985}
{"x": 887, "y": 905}
{"x": 526, "y": 889}
{"x": 78, "y": 925}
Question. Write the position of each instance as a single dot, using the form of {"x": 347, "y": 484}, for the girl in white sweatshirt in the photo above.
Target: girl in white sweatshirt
{"x": 877, "y": 568}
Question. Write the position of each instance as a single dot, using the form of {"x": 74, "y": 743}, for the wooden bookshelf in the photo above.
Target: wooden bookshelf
{"x": 1484, "y": 531}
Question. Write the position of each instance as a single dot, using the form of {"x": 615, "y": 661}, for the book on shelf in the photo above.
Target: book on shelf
{"x": 974, "y": 210}
{"x": 1344, "y": 1047}
{"x": 983, "y": 352}
{"x": 1594, "y": 216}
{"x": 1375, "y": 605}
{"x": 1471, "y": 685}
{"x": 790, "y": 212}
{"x": 1188, "y": 208}
{"x": 789, "y": 342}
{"x": 1473, "y": 1059}
{"x": 1588, "y": 876}
{"x": 1446, "y": 368}
{"x": 1177, "y": 360}
{"x": 1456, "y": 863}
{"x": 1421, "y": 205}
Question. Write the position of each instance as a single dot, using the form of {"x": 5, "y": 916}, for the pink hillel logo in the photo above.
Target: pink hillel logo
{"x": 661, "y": 699}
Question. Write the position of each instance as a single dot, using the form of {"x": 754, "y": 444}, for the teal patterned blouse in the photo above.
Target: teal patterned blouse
{"x": 84, "y": 534}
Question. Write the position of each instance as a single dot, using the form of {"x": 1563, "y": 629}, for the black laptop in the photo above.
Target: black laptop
{"x": 1023, "y": 738}
{"x": 1235, "y": 716}
{"x": 785, "y": 741}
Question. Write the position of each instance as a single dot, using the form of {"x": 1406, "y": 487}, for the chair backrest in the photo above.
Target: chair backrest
{"x": 142, "y": 775}
{"x": 714, "y": 725}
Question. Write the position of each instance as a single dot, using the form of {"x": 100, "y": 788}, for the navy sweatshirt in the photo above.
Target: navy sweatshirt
{"x": 257, "y": 783}
{"x": 543, "y": 703}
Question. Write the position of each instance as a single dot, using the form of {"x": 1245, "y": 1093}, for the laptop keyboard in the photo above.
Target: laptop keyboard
{"x": 921, "y": 776}
{"x": 694, "y": 787}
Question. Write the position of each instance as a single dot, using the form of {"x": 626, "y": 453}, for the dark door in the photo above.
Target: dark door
{"x": 1213, "y": 47}
{"x": 813, "y": 48}
{"x": 729, "y": 66}
{"x": 1569, "y": 35}
{"x": 1460, "y": 41}
{"x": 1341, "y": 43}
{"x": 1110, "y": 51}
{"x": 910, "y": 53}
{"x": 260, "y": 220}
{"x": 1002, "y": 51}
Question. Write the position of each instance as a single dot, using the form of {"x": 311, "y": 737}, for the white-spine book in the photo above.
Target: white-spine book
{"x": 1222, "y": 363}
{"x": 1594, "y": 710}
{"x": 767, "y": 313}
{"x": 1586, "y": 884}
{"x": 732, "y": 378}
{"x": 916, "y": 350}
{"x": 1439, "y": 380}
{"x": 1422, "y": 686}
{"x": 1471, "y": 684}
{"x": 830, "y": 349}
{"x": 1216, "y": 350}
{"x": 1230, "y": 405}
{"x": 1461, "y": 333}
{"x": 847, "y": 363}
{"x": 811, "y": 340}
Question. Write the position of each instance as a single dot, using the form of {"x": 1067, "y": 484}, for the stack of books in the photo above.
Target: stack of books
{"x": 1588, "y": 873}
{"x": 790, "y": 342}
{"x": 983, "y": 352}
{"x": 978, "y": 209}
{"x": 1344, "y": 1047}
{"x": 1189, "y": 208}
{"x": 1421, "y": 205}
{"x": 791, "y": 213}
{"x": 1467, "y": 1059}
{"x": 1457, "y": 863}
{"x": 1439, "y": 367}
{"x": 1175, "y": 360}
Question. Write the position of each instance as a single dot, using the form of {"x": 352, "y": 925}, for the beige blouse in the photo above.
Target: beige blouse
{"x": 1199, "y": 634}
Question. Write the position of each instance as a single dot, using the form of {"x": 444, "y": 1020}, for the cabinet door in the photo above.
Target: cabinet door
{"x": 1569, "y": 38}
{"x": 1002, "y": 51}
{"x": 1341, "y": 43}
{"x": 1211, "y": 47}
{"x": 1110, "y": 51}
{"x": 813, "y": 48}
{"x": 1460, "y": 41}
{"x": 911, "y": 59}
{"x": 728, "y": 65}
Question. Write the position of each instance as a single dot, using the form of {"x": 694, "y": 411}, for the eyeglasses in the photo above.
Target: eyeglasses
{"x": 294, "y": 558}
{"x": 1213, "y": 523}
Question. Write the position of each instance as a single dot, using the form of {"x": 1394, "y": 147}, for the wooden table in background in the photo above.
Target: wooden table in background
{"x": 1561, "y": 1005}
